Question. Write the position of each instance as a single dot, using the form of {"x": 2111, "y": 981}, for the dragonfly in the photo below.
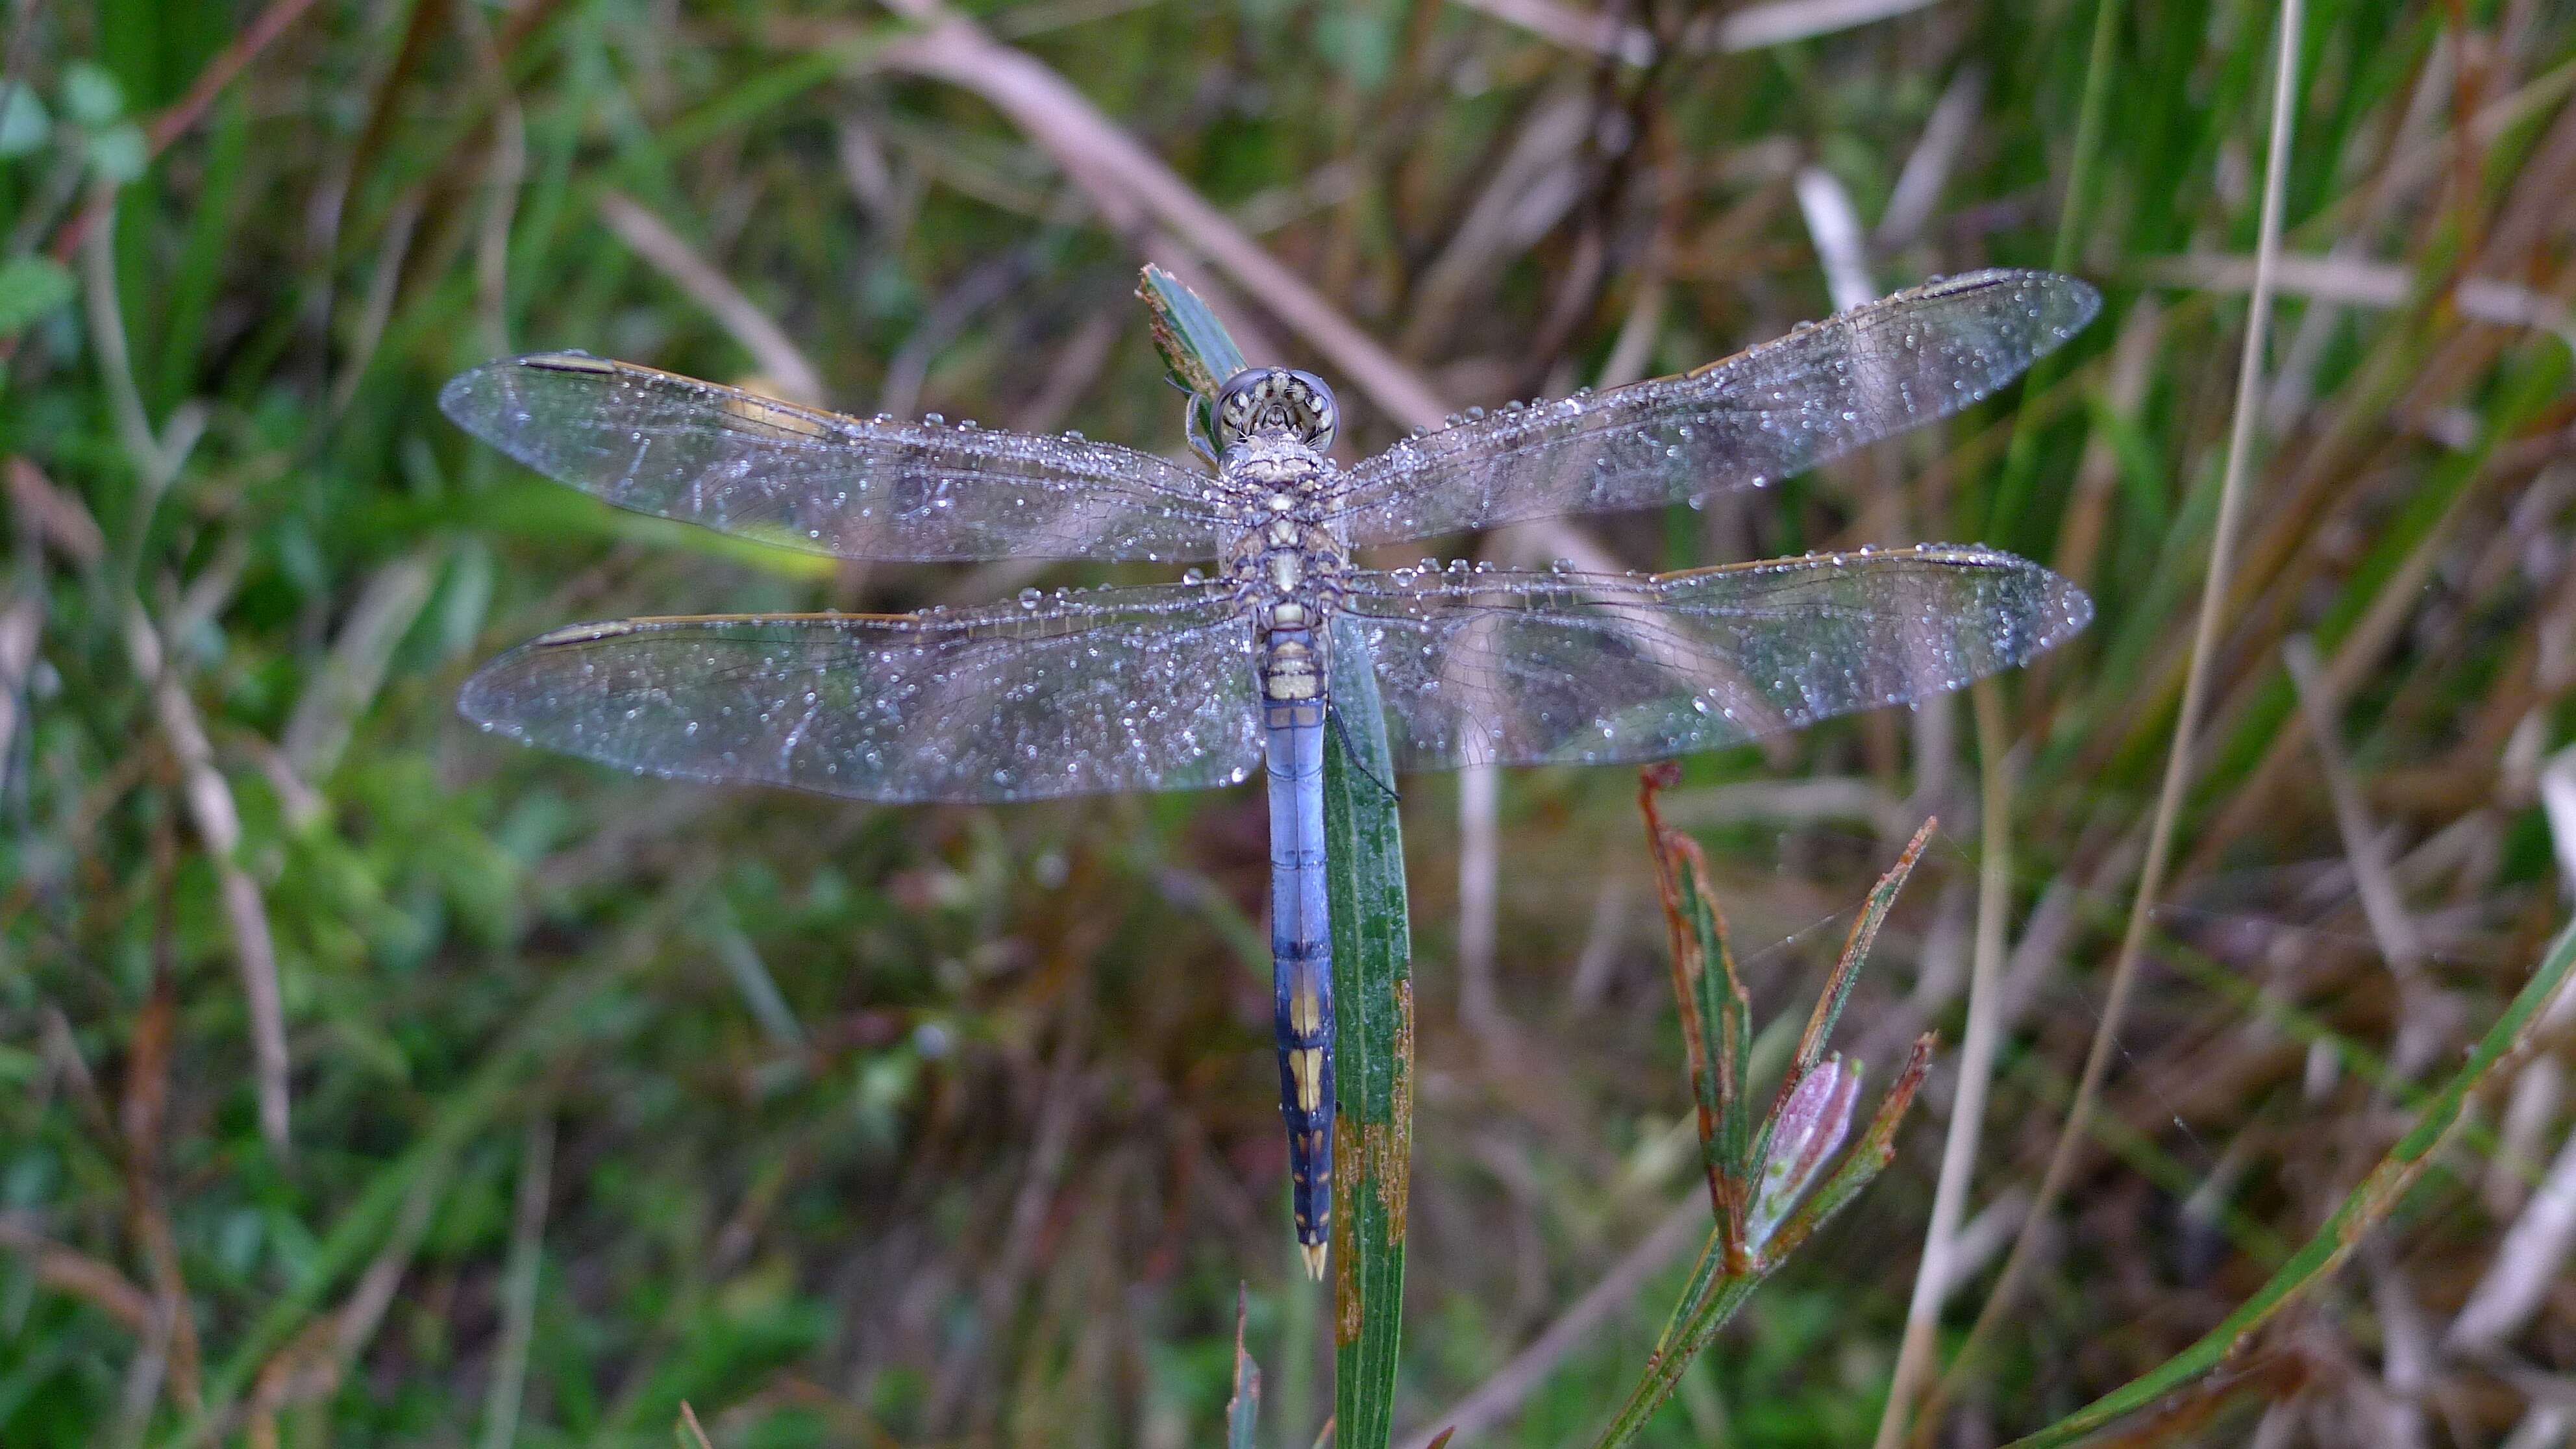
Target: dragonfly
{"x": 1201, "y": 682}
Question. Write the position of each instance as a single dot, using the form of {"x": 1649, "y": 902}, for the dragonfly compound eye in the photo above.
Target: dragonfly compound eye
{"x": 1276, "y": 400}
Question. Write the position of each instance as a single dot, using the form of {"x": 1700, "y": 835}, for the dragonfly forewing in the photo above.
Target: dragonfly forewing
{"x": 819, "y": 481}
{"x": 1115, "y": 689}
{"x": 1507, "y": 667}
{"x": 1751, "y": 419}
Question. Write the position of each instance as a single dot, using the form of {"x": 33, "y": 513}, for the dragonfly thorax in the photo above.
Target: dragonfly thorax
{"x": 1286, "y": 560}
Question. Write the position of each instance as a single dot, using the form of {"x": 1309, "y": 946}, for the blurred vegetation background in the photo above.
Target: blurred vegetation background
{"x": 366, "y": 1081}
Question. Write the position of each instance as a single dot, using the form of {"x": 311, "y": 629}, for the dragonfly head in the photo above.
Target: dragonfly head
{"x": 1276, "y": 400}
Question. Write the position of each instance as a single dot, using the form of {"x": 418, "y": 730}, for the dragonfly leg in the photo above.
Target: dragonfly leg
{"x": 1194, "y": 416}
{"x": 1352, "y": 756}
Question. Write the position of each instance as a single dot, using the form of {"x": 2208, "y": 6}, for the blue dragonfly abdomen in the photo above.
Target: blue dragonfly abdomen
{"x": 1301, "y": 957}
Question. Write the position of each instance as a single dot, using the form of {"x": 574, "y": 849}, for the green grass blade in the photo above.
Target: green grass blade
{"x": 2361, "y": 1209}
{"x": 1724, "y": 1020}
{"x": 1201, "y": 352}
{"x": 1194, "y": 344}
{"x": 1716, "y": 1014}
{"x": 1721, "y": 1299}
{"x": 2012, "y": 493}
{"x": 194, "y": 280}
{"x": 1373, "y": 1050}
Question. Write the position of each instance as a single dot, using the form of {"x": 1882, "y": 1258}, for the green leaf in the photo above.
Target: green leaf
{"x": 1359, "y": 41}
{"x": 24, "y": 126}
{"x": 1856, "y": 948}
{"x": 1373, "y": 1048}
{"x": 1716, "y": 1014}
{"x": 91, "y": 95}
{"x": 119, "y": 154}
{"x": 2371, "y": 1200}
{"x": 1200, "y": 352}
{"x": 30, "y": 287}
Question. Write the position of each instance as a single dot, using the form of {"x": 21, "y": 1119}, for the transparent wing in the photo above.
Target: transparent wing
{"x": 1116, "y": 689}
{"x": 731, "y": 460}
{"x": 1530, "y": 668}
{"x": 1761, "y": 415}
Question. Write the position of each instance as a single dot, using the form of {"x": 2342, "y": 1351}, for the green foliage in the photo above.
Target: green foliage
{"x": 24, "y": 125}
{"x": 30, "y": 287}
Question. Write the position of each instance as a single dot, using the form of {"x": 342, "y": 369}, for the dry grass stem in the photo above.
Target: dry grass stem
{"x": 1781, "y": 22}
{"x": 318, "y": 730}
{"x": 2530, "y": 1260}
{"x": 509, "y": 1377}
{"x": 1749, "y": 27}
{"x": 1833, "y": 223}
{"x": 1595, "y": 32}
{"x": 22, "y": 620}
{"x": 1928, "y": 167}
{"x": 783, "y": 367}
{"x": 2353, "y": 281}
{"x": 1096, "y": 153}
{"x": 1479, "y": 899}
{"x": 157, "y": 460}
{"x": 1940, "y": 1268}
{"x": 71, "y": 1271}
{"x": 2366, "y": 849}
